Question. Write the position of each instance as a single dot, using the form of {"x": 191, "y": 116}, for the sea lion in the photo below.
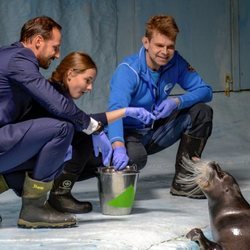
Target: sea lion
{"x": 229, "y": 212}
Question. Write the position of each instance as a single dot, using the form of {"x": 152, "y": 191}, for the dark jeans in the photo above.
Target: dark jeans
{"x": 83, "y": 162}
{"x": 195, "y": 121}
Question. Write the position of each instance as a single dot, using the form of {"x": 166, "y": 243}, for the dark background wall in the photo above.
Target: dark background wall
{"x": 214, "y": 35}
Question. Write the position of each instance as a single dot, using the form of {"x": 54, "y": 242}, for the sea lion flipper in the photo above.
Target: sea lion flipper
{"x": 204, "y": 243}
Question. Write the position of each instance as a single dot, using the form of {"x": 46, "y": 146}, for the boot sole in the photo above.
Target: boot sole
{"x": 72, "y": 211}
{"x": 26, "y": 224}
{"x": 184, "y": 194}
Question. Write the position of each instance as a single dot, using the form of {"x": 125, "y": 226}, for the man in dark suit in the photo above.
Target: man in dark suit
{"x": 37, "y": 145}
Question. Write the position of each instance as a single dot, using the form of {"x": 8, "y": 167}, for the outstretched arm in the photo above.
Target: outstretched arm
{"x": 138, "y": 113}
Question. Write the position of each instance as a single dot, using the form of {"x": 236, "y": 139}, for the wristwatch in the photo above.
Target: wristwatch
{"x": 99, "y": 129}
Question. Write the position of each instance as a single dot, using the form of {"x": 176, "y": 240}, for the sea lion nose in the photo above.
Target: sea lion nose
{"x": 216, "y": 166}
{"x": 219, "y": 171}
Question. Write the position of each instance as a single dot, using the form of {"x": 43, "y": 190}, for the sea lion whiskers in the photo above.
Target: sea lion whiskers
{"x": 198, "y": 172}
{"x": 229, "y": 211}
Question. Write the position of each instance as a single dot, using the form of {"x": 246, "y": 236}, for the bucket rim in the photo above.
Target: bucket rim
{"x": 115, "y": 172}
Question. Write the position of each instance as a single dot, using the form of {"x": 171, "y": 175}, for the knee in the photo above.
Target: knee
{"x": 206, "y": 112}
{"x": 201, "y": 112}
{"x": 83, "y": 141}
{"x": 137, "y": 154}
{"x": 202, "y": 120}
{"x": 66, "y": 129}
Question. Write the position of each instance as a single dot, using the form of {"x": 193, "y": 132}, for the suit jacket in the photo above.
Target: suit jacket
{"x": 22, "y": 85}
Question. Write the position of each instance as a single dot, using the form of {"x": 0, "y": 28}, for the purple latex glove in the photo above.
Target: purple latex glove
{"x": 141, "y": 114}
{"x": 165, "y": 108}
{"x": 102, "y": 144}
{"x": 120, "y": 158}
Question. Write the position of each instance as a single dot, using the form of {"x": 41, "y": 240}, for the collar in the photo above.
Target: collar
{"x": 18, "y": 44}
{"x": 143, "y": 67}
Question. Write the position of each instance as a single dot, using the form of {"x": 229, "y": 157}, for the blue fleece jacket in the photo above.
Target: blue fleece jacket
{"x": 132, "y": 86}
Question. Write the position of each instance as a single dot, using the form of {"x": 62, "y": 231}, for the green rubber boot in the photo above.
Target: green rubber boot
{"x": 36, "y": 212}
{"x": 3, "y": 187}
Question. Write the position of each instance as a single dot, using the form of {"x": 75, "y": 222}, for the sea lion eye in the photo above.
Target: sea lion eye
{"x": 205, "y": 184}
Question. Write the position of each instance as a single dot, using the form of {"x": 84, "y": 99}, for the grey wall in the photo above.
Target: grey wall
{"x": 244, "y": 44}
{"x": 214, "y": 35}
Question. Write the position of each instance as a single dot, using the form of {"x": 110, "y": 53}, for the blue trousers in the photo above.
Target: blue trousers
{"x": 41, "y": 150}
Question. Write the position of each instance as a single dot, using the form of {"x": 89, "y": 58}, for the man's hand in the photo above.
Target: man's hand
{"x": 166, "y": 108}
{"x": 120, "y": 158}
{"x": 102, "y": 143}
{"x": 141, "y": 114}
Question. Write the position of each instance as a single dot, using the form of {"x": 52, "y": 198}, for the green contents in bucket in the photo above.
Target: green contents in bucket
{"x": 125, "y": 199}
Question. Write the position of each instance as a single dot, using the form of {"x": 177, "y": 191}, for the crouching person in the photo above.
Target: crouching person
{"x": 38, "y": 119}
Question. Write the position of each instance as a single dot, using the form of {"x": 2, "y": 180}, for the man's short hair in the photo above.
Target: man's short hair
{"x": 165, "y": 25}
{"x": 42, "y": 25}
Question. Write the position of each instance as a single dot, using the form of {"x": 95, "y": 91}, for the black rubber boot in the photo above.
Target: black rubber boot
{"x": 36, "y": 212}
{"x": 61, "y": 198}
{"x": 189, "y": 147}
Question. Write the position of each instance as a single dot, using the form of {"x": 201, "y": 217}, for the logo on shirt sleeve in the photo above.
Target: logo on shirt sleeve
{"x": 168, "y": 88}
